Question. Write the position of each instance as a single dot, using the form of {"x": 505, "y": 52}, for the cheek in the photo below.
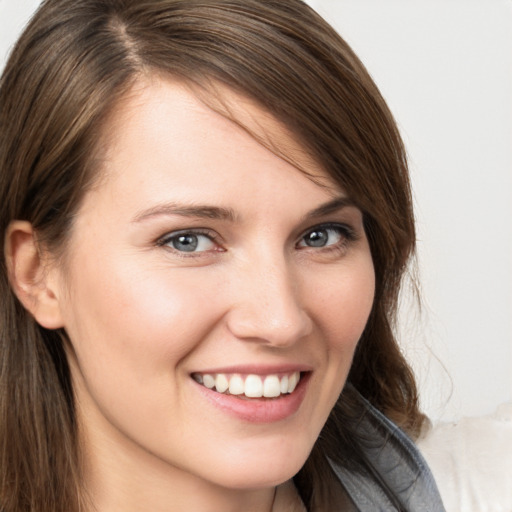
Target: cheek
{"x": 341, "y": 309}
{"x": 131, "y": 329}
{"x": 344, "y": 305}
{"x": 142, "y": 318}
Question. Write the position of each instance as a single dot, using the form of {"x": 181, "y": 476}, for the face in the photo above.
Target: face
{"x": 213, "y": 294}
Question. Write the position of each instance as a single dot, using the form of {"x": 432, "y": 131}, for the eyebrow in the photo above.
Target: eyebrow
{"x": 337, "y": 204}
{"x": 200, "y": 211}
{"x": 221, "y": 213}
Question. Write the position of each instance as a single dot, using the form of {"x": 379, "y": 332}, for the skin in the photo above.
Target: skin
{"x": 142, "y": 316}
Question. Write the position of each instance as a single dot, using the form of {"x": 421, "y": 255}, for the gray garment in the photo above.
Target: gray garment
{"x": 393, "y": 476}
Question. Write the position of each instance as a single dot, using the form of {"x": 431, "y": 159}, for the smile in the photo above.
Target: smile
{"x": 250, "y": 386}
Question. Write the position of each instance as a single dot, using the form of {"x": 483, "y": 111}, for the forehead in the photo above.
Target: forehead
{"x": 204, "y": 115}
{"x": 168, "y": 144}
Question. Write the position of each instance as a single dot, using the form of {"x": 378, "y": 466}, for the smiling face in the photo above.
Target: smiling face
{"x": 203, "y": 272}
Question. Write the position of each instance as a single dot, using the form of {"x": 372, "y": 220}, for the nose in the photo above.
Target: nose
{"x": 267, "y": 304}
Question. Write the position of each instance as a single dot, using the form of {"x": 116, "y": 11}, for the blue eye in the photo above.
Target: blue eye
{"x": 187, "y": 241}
{"x": 324, "y": 236}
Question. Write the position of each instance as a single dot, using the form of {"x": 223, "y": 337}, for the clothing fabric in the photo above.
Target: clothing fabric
{"x": 471, "y": 459}
{"x": 394, "y": 476}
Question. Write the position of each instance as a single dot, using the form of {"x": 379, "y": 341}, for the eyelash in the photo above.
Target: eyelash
{"x": 346, "y": 233}
{"x": 169, "y": 237}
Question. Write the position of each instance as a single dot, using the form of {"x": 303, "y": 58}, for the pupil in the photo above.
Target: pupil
{"x": 187, "y": 243}
{"x": 317, "y": 239}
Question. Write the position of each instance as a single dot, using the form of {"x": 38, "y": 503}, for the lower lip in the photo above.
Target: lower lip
{"x": 259, "y": 410}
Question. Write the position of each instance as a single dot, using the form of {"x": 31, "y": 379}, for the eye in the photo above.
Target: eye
{"x": 189, "y": 242}
{"x": 325, "y": 236}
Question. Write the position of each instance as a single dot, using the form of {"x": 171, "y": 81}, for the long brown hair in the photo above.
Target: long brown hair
{"x": 73, "y": 64}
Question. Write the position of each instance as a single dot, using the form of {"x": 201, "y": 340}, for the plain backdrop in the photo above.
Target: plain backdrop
{"x": 445, "y": 68}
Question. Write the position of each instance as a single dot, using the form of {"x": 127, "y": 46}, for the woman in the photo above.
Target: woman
{"x": 206, "y": 217}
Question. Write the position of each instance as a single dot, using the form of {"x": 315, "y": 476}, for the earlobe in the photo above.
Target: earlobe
{"x": 30, "y": 277}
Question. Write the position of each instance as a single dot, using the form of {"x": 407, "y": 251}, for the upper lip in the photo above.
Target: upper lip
{"x": 252, "y": 369}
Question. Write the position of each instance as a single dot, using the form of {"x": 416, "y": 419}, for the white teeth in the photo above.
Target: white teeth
{"x": 284, "y": 384}
{"x": 221, "y": 383}
{"x": 293, "y": 381}
{"x": 236, "y": 385}
{"x": 271, "y": 386}
{"x": 252, "y": 386}
{"x": 209, "y": 381}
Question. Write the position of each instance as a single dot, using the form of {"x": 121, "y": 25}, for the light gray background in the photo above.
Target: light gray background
{"x": 445, "y": 68}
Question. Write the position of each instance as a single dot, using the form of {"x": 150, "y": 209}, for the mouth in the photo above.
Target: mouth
{"x": 250, "y": 385}
{"x": 255, "y": 395}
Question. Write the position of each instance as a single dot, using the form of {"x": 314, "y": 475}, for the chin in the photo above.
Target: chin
{"x": 261, "y": 467}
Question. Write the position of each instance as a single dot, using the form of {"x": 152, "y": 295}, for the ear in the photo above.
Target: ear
{"x": 31, "y": 278}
